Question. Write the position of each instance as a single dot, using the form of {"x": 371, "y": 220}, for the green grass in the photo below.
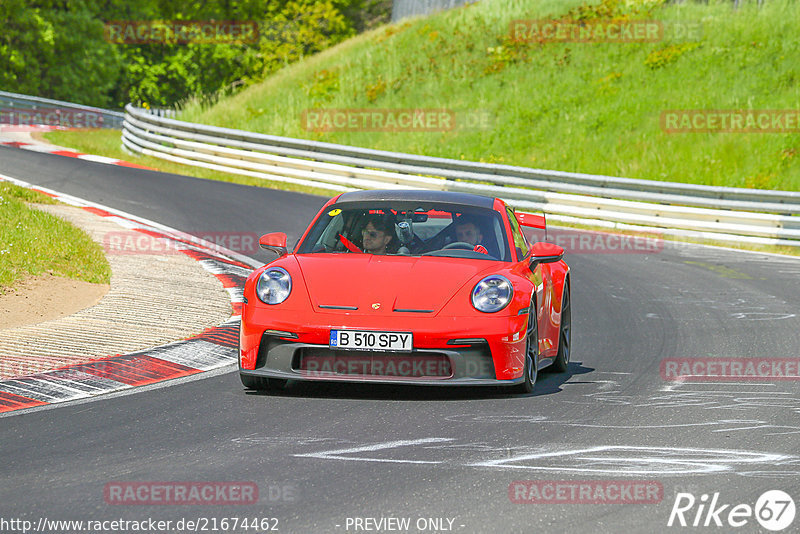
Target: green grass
{"x": 106, "y": 142}
{"x": 33, "y": 242}
{"x": 583, "y": 107}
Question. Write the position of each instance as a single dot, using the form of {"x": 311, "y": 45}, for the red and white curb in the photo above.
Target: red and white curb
{"x": 214, "y": 348}
{"x": 59, "y": 151}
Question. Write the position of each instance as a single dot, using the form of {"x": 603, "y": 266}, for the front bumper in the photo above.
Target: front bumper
{"x": 480, "y": 351}
{"x": 466, "y": 366}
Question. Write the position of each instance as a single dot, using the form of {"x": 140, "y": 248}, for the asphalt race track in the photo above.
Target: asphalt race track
{"x": 323, "y": 456}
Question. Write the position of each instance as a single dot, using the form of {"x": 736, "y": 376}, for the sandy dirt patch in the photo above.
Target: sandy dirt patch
{"x": 42, "y": 298}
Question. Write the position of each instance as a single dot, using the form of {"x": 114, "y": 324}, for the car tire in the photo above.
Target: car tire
{"x": 561, "y": 362}
{"x": 531, "y": 369}
{"x": 260, "y": 383}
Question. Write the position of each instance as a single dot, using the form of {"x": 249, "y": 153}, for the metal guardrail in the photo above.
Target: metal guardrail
{"x": 411, "y": 8}
{"x": 15, "y": 103}
{"x": 723, "y": 213}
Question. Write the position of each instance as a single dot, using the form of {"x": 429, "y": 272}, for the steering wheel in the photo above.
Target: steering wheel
{"x": 460, "y": 245}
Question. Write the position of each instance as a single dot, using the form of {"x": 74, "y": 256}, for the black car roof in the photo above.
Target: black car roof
{"x": 412, "y": 195}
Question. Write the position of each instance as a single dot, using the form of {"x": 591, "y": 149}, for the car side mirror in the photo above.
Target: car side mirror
{"x": 276, "y": 242}
{"x": 543, "y": 252}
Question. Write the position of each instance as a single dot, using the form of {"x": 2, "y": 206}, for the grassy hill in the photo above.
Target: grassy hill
{"x": 578, "y": 106}
{"x": 33, "y": 242}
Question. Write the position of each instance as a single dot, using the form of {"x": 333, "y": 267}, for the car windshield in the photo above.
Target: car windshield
{"x": 409, "y": 230}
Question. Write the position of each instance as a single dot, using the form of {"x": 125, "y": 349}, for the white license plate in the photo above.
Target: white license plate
{"x": 368, "y": 340}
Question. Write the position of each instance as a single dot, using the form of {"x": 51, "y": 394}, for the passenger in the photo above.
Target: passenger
{"x": 468, "y": 231}
{"x": 378, "y": 234}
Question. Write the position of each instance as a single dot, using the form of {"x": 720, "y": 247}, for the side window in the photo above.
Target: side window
{"x": 330, "y": 235}
{"x": 519, "y": 239}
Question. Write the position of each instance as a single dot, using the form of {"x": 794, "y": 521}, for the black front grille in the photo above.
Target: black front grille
{"x": 268, "y": 343}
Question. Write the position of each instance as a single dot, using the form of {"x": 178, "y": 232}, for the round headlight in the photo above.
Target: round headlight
{"x": 492, "y": 294}
{"x": 274, "y": 285}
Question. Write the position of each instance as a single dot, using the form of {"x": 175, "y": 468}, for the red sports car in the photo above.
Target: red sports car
{"x": 409, "y": 287}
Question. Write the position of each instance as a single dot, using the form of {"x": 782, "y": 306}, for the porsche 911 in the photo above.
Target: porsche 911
{"x": 408, "y": 287}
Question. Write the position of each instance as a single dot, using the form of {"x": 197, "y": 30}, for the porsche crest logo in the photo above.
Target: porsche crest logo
{"x": 376, "y": 306}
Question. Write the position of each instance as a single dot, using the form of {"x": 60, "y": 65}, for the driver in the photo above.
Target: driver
{"x": 468, "y": 231}
{"x": 377, "y": 234}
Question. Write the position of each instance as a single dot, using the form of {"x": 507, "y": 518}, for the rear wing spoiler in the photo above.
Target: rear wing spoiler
{"x": 533, "y": 220}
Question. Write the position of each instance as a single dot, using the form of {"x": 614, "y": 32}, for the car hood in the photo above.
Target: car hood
{"x": 394, "y": 282}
